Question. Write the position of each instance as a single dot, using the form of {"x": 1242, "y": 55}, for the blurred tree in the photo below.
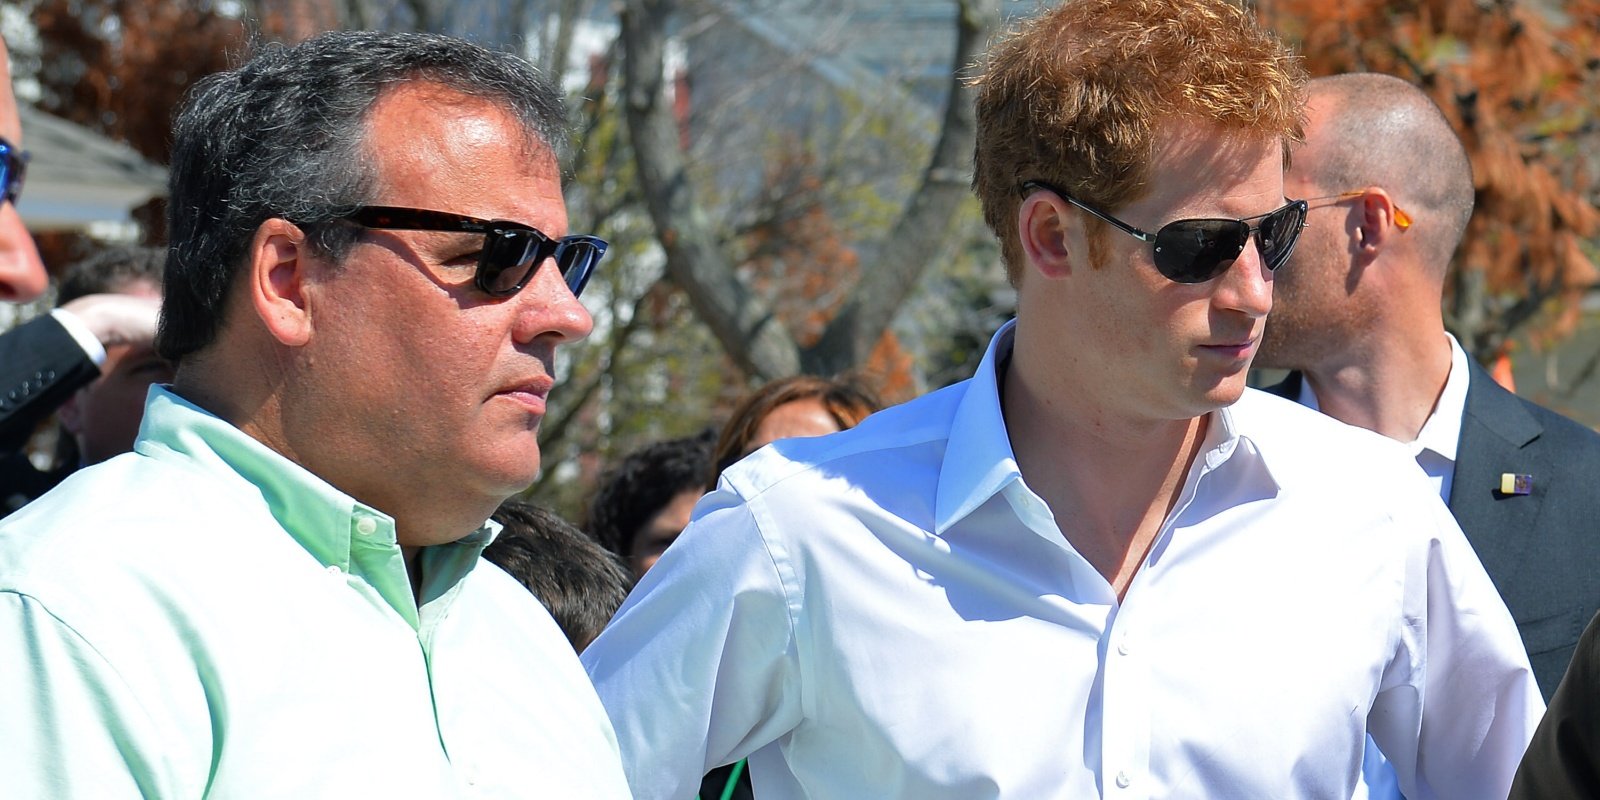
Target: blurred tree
{"x": 1520, "y": 81}
{"x": 120, "y": 67}
{"x": 723, "y": 277}
{"x": 654, "y": 368}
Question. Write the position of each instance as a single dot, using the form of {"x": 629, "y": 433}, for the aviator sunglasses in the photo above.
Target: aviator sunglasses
{"x": 1197, "y": 250}
{"x": 13, "y": 163}
{"x": 511, "y": 251}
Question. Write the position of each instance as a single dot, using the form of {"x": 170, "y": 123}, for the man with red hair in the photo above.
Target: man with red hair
{"x": 1101, "y": 567}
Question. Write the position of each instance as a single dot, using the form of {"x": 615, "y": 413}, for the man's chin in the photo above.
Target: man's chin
{"x": 1221, "y": 394}
{"x": 510, "y": 474}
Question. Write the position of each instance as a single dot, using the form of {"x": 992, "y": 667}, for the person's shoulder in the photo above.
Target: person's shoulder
{"x": 127, "y": 515}
{"x": 1262, "y": 415}
{"x": 884, "y": 444}
{"x": 1302, "y": 443}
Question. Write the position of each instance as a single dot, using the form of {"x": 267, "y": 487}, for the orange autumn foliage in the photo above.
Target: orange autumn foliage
{"x": 1521, "y": 84}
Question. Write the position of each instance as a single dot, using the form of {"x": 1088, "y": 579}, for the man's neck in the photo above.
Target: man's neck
{"x": 417, "y": 518}
{"x": 1110, "y": 481}
{"x": 1391, "y": 390}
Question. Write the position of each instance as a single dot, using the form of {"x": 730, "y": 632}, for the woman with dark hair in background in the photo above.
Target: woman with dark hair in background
{"x": 802, "y": 405}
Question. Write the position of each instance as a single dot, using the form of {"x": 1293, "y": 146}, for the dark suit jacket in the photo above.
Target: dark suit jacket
{"x": 41, "y": 365}
{"x": 1563, "y": 760}
{"x": 1542, "y": 550}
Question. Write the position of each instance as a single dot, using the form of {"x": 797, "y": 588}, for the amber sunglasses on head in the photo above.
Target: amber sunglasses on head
{"x": 1402, "y": 220}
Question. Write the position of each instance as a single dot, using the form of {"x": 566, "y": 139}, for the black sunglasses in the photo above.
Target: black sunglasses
{"x": 1197, "y": 250}
{"x": 511, "y": 251}
{"x": 13, "y": 164}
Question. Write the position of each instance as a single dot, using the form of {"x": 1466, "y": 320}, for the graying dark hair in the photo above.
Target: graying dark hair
{"x": 282, "y": 136}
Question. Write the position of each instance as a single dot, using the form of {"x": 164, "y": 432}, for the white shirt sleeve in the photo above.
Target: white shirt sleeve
{"x": 81, "y": 334}
{"x": 1459, "y": 702}
{"x": 700, "y": 667}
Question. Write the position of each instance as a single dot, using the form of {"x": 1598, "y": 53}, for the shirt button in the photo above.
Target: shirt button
{"x": 1122, "y": 646}
{"x": 333, "y": 569}
{"x": 1123, "y": 780}
{"x": 366, "y": 526}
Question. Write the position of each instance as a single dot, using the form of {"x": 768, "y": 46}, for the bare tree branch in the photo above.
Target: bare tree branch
{"x": 921, "y": 232}
{"x": 747, "y": 328}
{"x": 553, "y": 433}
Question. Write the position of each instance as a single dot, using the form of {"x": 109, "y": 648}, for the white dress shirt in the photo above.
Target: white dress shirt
{"x": 1435, "y": 452}
{"x": 891, "y": 612}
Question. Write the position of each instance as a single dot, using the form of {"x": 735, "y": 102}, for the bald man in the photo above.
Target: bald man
{"x": 1357, "y": 315}
{"x": 44, "y": 361}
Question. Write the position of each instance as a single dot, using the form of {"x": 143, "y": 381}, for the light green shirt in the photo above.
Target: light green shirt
{"x": 204, "y": 618}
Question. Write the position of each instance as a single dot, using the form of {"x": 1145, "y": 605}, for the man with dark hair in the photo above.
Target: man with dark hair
{"x": 101, "y": 418}
{"x": 577, "y": 580}
{"x": 45, "y": 360}
{"x": 277, "y": 594}
{"x": 644, "y": 502}
{"x": 1101, "y": 567}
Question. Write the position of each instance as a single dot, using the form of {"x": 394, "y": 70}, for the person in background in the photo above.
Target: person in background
{"x": 1357, "y": 316}
{"x": 644, "y": 501}
{"x": 45, "y": 360}
{"x": 101, "y": 418}
{"x": 280, "y": 593}
{"x": 1101, "y": 567}
{"x": 794, "y": 407}
{"x": 581, "y": 583}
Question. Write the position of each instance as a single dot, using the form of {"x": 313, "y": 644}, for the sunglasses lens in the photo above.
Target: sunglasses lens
{"x": 12, "y": 166}
{"x": 1197, "y": 250}
{"x": 1279, "y": 232}
{"x": 509, "y": 257}
{"x": 577, "y": 257}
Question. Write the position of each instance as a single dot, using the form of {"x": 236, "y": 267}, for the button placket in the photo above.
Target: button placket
{"x": 1125, "y": 713}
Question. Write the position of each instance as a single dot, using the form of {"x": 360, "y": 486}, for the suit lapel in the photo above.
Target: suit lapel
{"x": 1496, "y": 434}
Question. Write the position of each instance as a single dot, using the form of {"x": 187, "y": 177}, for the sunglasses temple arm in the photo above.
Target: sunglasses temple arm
{"x": 1112, "y": 221}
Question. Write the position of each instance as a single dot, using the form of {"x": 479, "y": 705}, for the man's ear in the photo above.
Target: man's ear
{"x": 1377, "y": 222}
{"x": 1042, "y": 230}
{"x": 278, "y": 267}
{"x": 70, "y": 416}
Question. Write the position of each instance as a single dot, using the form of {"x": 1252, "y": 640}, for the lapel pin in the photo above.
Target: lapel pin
{"x": 1514, "y": 484}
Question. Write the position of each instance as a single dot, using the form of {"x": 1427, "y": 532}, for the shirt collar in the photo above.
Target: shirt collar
{"x": 979, "y": 463}
{"x": 1442, "y": 432}
{"x": 336, "y": 529}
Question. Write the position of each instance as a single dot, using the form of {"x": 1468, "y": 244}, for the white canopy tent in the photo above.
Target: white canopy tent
{"x": 80, "y": 180}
